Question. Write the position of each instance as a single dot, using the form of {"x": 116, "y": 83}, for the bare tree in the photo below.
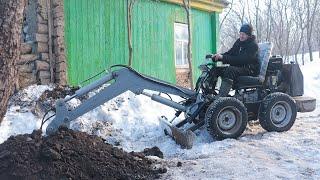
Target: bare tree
{"x": 312, "y": 6}
{"x": 226, "y": 15}
{"x": 229, "y": 28}
{"x": 240, "y": 13}
{"x": 288, "y": 35}
{"x": 291, "y": 25}
{"x": 317, "y": 31}
{"x": 300, "y": 25}
{"x": 303, "y": 50}
{"x": 130, "y": 4}
{"x": 257, "y": 14}
{"x": 269, "y": 12}
{"x": 249, "y": 11}
{"x": 11, "y": 17}
{"x": 187, "y": 7}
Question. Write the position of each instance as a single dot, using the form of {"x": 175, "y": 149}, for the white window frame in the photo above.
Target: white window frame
{"x": 184, "y": 42}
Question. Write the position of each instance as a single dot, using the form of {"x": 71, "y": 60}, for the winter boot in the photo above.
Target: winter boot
{"x": 225, "y": 87}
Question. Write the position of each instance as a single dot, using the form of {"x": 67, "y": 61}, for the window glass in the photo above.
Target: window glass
{"x": 181, "y": 31}
{"x": 185, "y": 53}
{"x": 181, "y": 44}
{"x": 178, "y": 50}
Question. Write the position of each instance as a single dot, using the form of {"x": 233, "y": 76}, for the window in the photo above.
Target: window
{"x": 181, "y": 45}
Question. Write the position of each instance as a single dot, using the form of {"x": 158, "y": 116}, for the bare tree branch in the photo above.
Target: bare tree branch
{"x": 130, "y": 4}
{"x": 226, "y": 15}
{"x": 187, "y": 7}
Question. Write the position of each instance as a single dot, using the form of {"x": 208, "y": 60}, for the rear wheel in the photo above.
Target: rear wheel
{"x": 277, "y": 112}
{"x": 226, "y": 117}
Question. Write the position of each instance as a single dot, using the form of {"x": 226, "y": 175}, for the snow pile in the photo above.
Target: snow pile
{"x": 311, "y": 75}
{"x": 129, "y": 121}
{"x": 19, "y": 119}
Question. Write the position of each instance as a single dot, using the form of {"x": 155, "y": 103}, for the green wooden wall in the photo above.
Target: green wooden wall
{"x": 96, "y": 37}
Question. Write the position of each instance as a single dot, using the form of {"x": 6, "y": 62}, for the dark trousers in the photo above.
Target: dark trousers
{"x": 230, "y": 72}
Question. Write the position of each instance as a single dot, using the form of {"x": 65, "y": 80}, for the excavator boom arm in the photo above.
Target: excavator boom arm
{"x": 124, "y": 79}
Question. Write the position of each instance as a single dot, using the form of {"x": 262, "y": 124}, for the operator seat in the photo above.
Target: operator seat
{"x": 256, "y": 81}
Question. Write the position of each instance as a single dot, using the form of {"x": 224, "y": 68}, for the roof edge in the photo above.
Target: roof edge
{"x": 205, "y": 5}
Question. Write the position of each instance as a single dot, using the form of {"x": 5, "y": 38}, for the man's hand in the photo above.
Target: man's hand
{"x": 209, "y": 56}
{"x": 217, "y": 57}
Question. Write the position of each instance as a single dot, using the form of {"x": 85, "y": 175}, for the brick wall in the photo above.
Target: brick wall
{"x": 36, "y": 63}
{"x": 58, "y": 42}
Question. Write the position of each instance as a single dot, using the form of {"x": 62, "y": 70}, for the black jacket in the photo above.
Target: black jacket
{"x": 243, "y": 54}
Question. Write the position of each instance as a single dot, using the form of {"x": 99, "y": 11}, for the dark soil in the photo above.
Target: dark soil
{"x": 48, "y": 98}
{"x": 58, "y": 92}
{"x": 44, "y": 103}
{"x": 70, "y": 155}
{"x": 155, "y": 151}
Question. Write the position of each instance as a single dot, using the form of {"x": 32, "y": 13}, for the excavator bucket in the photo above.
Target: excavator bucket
{"x": 182, "y": 137}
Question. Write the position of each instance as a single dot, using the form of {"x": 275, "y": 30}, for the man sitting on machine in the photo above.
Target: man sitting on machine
{"x": 242, "y": 57}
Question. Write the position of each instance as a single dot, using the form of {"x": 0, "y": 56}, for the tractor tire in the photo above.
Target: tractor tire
{"x": 278, "y": 112}
{"x": 226, "y": 117}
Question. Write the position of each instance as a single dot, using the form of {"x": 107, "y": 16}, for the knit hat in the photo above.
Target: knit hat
{"x": 246, "y": 28}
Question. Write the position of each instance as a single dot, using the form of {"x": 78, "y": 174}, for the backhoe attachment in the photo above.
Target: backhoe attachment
{"x": 127, "y": 79}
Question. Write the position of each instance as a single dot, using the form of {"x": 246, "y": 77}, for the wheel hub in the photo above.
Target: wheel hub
{"x": 227, "y": 119}
{"x": 281, "y": 114}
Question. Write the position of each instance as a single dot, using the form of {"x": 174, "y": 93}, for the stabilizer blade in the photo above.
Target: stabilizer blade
{"x": 183, "y": 138}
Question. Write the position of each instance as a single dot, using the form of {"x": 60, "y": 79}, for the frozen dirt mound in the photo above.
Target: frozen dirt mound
{"x": 70, "y": 155}
{"x": 48, "y": 99}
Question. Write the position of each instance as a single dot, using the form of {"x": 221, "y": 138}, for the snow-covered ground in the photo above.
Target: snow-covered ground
{"x": 19, "y": 118}
{"x": 133, "y": 123}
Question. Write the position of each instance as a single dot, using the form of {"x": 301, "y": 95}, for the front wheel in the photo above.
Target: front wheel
{"x": 278, "y": 112}
{"x": 226, "y": 117}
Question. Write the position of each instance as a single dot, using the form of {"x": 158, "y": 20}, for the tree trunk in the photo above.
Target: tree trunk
{"x": 310, "y": 51}
{"x": 269, "y": 22}
{"x": 257, "y": 21}
{"x": 299, "y": 42}
{"x": 11, "y": 19}
{"x": 226, "y": 15}
{"x": 311, "y": 14}
{"x": 129, "y": 31}
{"x": 187, "y": 7}
{"x": 303, "y": 52}
{"x": 130, "y": 4}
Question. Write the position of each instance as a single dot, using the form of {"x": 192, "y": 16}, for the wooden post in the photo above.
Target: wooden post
{"x": 50, "y": 26}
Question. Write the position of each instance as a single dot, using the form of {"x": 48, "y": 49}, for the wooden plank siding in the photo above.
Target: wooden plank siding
{"x": 96, "y": 37}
